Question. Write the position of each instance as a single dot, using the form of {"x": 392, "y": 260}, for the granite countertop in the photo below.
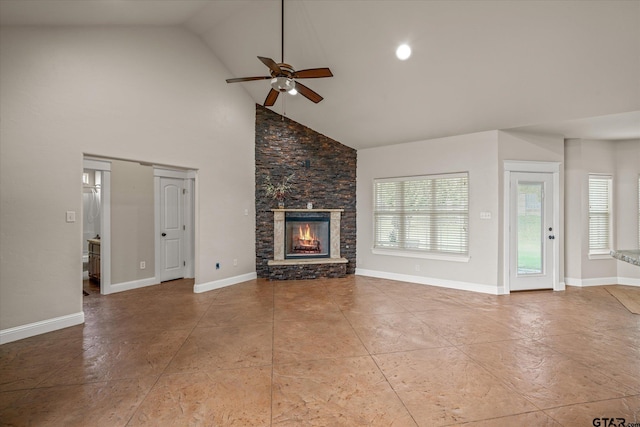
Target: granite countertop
{"x": 632, "y": 256}
{"x": 94, "y": 241}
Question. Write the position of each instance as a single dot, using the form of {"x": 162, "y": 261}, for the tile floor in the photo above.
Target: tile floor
{"x": 334, "y": 352}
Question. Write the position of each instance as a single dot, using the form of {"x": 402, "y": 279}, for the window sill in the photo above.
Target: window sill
{"x": 600, "y": 255}
{"x": 423, "y": 255}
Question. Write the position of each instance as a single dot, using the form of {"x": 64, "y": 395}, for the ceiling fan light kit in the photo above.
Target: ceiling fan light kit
{"x": 283, "y": 76}
{"x": 283, "y": 84}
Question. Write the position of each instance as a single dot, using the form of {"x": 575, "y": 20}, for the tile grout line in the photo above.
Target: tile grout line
{"x": 371, "y": 356}
{"x": 273, "y": 345}
{"x": 500, "y": 380}
{"x": 133, "y": 414}
{"x": 543, "y": 410}
{"x": 594, "y": 367}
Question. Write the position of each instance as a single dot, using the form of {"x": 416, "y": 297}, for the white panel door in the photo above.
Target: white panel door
{"x": 531, "y": 232}
{"x": 171, "y": 229}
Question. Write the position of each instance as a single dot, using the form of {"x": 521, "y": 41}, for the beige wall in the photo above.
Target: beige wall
{"x": 132, "y": 221}
{"x": 531, "y": 147}
{"x": 149, "y": 94}
{"x": 482, "y": 155}
{"x": 627, "y": 158}
{"x": 476, "y": 153}
{"x": 621, "y": 159}
{"x": 575, "y": 216}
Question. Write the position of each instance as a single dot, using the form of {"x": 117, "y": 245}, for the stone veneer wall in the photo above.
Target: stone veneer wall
{"x": 329, "y": 182}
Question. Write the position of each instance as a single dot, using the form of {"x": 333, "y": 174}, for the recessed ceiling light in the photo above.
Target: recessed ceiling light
{"x": 403, "y": 52}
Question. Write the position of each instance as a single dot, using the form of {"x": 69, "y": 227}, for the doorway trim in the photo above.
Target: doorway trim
{"x": 540, "y": 167}
{"x": 189, "y": 209}
{"x": 103, "y": 166}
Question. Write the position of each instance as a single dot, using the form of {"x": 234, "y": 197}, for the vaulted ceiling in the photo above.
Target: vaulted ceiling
{"x": 567, "y": 67}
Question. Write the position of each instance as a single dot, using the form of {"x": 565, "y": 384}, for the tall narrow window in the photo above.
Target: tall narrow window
{"x": 424, "y": 214}
{"x": 638, "y": 211}
{"x": 600, "y": 215}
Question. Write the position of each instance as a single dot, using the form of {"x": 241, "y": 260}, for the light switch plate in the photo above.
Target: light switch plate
{"x": 71, "y": 216}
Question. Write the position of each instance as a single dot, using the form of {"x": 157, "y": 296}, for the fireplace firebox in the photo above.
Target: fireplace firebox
{"x": 320, "y": 248}
{"x": 306, "y": 235}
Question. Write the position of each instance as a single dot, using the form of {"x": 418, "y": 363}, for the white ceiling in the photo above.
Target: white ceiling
{"x": 563, "y": 67}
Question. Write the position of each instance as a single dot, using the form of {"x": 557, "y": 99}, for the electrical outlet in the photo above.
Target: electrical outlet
{"x": 417, "y": 267}
{"x": 143, "y": 265}
{"x": 217, "y": 266}
{"x": 235, "y": 262}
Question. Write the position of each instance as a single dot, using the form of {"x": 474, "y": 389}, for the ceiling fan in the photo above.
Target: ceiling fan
{"x": 284, "y": 77}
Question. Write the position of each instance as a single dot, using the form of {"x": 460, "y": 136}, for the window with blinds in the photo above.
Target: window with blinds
{"x": 426, "y": 213}
{"x": 600, "y": 227}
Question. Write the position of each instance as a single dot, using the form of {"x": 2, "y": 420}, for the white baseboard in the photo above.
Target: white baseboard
{"x": 217, "y": 284}
{"x": 597, "y": 281}
{"x": 431, "y": 281}
{"x": 602, "y": 281}
{"x": 628, "y": 281}
{"x": 134, "y": 284}
{"x": 41, "y": 327}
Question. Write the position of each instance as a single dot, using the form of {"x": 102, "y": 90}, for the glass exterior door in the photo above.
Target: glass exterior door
{"x": 529, "y": 248}
{"x": 532, "y": 234}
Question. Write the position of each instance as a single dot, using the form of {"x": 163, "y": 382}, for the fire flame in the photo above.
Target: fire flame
{"x": 306, "y": 235}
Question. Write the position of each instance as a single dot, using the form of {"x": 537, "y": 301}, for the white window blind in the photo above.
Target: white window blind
{"x": 426, "y": 213}
{"x": 600, "y": 230}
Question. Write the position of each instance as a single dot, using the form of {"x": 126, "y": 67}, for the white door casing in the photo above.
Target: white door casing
{"x": 532, "y": 231}
{"x": 522, "y": 271}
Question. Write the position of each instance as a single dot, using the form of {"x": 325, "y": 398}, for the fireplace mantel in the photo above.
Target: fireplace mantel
{"x": 278, "y": 239}
{"x": 307, "y": 210}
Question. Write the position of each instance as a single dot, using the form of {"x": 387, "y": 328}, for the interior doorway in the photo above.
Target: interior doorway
{"x": 96, "y": 225}
{"x": 132, "y": 245}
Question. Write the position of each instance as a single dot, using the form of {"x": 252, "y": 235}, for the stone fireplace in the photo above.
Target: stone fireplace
{"x": 307, "y": 236}
{"x": 325, "y": 175}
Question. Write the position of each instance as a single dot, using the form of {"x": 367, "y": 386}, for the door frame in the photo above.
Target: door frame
{"x": 188, "y": 216}
{"x": 104, "y": 166}
{"x": 553, "y": 168}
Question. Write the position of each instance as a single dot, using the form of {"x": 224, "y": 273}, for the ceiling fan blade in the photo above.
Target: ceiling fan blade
{"x": 271, "y": 98}
{"x": 271, "y": 64}
{"x": 308, "y": 93}
{"x": 247, "y": 79}
{"x": 313, "y": 73}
